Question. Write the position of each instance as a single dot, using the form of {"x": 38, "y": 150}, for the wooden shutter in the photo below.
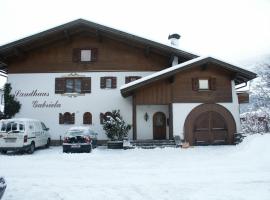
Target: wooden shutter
{"x": 61, "y": 118}
{"x": 195, "y": 84}
{"x": 60, "y": 85}
{"x": 86, "y": 85}
{"x": 114, "y": 82}
{"x": 72, "y": 121}
{"x": 102, "y": 82}
{"x": 101, "y": 117}
{"x": 76, "y": 55}
{"x": 87, "y": 118}
{"x": 212, "y": 83}
{"x": 94, "y": 54}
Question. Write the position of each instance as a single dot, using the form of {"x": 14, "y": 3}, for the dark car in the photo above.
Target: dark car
{"x": 3, "y": 186}
{"x": 79, "y": 139}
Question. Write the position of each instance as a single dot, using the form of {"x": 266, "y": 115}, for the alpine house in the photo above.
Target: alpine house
{"x": 77, "y": 73}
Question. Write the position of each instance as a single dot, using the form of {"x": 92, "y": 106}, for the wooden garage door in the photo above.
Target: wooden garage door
{"x": 210, "y": 128}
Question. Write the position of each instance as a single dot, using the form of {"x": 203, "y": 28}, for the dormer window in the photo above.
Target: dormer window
{"x": 85, "y": 55}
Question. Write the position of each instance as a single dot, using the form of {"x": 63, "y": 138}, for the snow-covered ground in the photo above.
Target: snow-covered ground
{"x": 205, "y": 173}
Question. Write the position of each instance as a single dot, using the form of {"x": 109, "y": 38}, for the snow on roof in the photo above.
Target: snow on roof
{"x": 162, "y": 72}
{"x": 170, "y": 69}
{"x": 20, "y": 119}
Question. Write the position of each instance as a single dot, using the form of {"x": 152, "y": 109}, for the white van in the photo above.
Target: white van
{"x": 23, "y": 134}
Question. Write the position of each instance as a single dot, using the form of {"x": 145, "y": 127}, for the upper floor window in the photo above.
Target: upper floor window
{"x": 203, "y": 84}
{"x": 73, "y": 85}
{"x": 108, "y": 82}
{"x": 131, "y": 78}
{"x": 85, "y": 55}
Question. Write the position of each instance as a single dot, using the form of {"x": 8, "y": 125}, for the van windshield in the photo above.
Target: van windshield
{"x": 12, "y": 127}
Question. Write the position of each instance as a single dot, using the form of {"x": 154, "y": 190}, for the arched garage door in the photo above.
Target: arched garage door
{"x": 209, "y": 124}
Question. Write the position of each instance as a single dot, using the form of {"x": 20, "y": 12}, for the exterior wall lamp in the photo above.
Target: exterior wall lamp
{"x": 146, "y": 116}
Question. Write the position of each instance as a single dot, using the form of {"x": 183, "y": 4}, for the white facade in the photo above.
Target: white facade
{"x": 96, "y": 102}
{"x": 99, "y": 100}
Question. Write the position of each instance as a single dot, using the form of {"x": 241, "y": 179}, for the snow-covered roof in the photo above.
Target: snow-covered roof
{"x": 245, "y": 74}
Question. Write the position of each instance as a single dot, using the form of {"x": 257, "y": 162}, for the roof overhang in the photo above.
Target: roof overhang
{"x": 240, "y": 75}
{"x": 67, "y": 30}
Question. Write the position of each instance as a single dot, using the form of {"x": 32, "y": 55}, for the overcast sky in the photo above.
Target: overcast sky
{"x": 233, "y": 30}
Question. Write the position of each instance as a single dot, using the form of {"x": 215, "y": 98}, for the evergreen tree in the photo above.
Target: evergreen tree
{"x": 115, "y": 127}
{"x": 12, "y": 106}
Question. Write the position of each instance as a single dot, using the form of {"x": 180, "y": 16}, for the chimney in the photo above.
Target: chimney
{"x": 174, "y": 39}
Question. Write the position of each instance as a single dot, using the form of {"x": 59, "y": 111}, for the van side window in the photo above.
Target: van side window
{"x": 21, "y": 127}
{"x": 14, "y": 126}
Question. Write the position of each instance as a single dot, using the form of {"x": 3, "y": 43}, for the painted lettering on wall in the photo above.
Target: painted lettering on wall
{"x": 33, "y": 93}
{"x": 45, "y": 104}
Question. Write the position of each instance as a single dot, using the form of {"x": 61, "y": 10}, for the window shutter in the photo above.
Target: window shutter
{"x": 212, "y": 83}
{"x": 114, "y": 82}
{"x": 86, "y": 85}
{"x": 94, "y": 54}
{"x": 72, "y": 118}
{"x": 195, "y": 84}
{"x": 102, "y": 82}
{"x": 101, "y": 117}
{"x": 61, "y": 118}
{"x": 127, "y": 79}
{"x": 59, "y": 85}
{"x": 87, "y": 118}
{"x": 76, "y": 55}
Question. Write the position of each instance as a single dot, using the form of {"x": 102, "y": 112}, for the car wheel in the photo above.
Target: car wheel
{"x": 89, "y": 150}
{"x": 64, "y": 151}
{"x": 48, "y": 143}
{"x": 4, "y": 151}
{"x": 32, "y": 148}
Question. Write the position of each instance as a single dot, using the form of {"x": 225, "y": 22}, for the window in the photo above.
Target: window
{"x": 131, "y": 78}
{"x": 87, "y": 118}
{"x": 108, "y": 82}
{"x": 79, "y": 85}
{"x": 66, "y": 118}
{"x": 84, "y": 55}
{"x": 203, "y": 84}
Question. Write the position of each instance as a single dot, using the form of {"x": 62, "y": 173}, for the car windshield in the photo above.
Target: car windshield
{"x": 12, "y": 127}
{"x": 77, "y": 132}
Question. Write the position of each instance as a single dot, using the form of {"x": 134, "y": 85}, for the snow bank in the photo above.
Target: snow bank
{"x": 198, "y": 173}
{"x": 255, "y": 145}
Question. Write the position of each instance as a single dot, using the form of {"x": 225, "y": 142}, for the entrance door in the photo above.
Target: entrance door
{"x": 159, "y": 126}
{"x": 210, "y": 128}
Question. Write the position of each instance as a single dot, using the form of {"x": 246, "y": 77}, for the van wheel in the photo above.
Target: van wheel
{"x": 48, "y": 143}
{"x": 4, "y": 151}
{"x": 32, "y": 148}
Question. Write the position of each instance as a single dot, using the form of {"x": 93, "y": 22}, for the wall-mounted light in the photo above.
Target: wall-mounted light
{"x": 146, "y": 116}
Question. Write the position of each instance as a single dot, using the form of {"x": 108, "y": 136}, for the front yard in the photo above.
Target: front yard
{"x": 210, "y": 173}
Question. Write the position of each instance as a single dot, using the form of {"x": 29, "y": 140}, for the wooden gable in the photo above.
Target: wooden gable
{"x": 179, "y": 88}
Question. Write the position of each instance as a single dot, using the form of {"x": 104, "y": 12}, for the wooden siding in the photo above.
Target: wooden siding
{"x": 178, "y": 89}
{"x": 112, "y": 56}
{"x": 156, "y": 93}
{"x": 182, "y": 86}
